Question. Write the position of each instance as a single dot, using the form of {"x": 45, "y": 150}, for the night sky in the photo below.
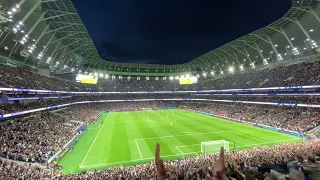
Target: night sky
{"x": 171, "y": 31}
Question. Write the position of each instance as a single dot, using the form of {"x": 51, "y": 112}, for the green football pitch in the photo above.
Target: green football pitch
{"x": 127, "y": 138}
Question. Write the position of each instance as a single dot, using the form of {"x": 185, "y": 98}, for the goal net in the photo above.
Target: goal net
{"x": 210, "y": 147}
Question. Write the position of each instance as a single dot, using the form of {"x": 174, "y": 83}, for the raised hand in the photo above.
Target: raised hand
{"x": 219, "y": 169}
{"x": 161, "y": 170}
{"x": 296, "y": 175}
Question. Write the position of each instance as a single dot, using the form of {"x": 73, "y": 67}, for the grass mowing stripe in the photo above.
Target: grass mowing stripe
{"x": 162, "y": 128}
{"x": 119, "y": 141}
{"x": 138, "y": 149}
{"x": 249, "y": 136}
{"x": 185, "y": 129}
{"x": 124, "y": 133}
{"x": 133, "y": 132}
{"x": 85, "y": 157}
{"x": 249, "y": 129}
{"x": 207, "y": 126}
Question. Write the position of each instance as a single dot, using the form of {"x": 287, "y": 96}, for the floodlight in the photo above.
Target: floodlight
{"x": 231, "y": 69}
{"x": 241, "y": 67}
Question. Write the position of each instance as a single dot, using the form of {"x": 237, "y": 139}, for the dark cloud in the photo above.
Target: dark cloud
{"x": 171, "y": 31}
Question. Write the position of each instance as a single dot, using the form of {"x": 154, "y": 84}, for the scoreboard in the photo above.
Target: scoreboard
{"x": 86, "y": 79}
{"x": 188, "y": 80}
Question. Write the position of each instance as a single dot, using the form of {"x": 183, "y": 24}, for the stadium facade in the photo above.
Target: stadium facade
{"x": 49, "y": 37}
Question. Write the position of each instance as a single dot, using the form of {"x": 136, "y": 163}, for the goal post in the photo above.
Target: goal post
{"x": 210, "y": 147}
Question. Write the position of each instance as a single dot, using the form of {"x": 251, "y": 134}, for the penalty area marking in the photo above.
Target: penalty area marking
{"x": 259, "y": 144}
{"x": 249, "y": 137}
{"x": 136, "y": 160}
{"x": 139, "y": 149}
{"x": 178, "y": 155}
{"x": 179, "y": 150}
{"x": 191, "y": 134}
{"x": 160, "y": 120}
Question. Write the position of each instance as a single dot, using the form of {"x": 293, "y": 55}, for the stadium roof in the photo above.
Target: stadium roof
{"x": 51, "y": 35}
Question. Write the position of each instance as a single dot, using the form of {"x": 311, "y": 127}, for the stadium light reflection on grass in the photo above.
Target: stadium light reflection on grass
{"x": 128, "y": 138}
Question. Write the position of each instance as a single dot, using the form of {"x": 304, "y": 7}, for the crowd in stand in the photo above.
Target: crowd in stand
{"x": 296, "y": 74}
{"x": 255, "y": 163}
{"x": 290, "y": 118}
{"x": 246, "y": 164}
{"x": 23, "y": 105}
{"x": 36, "y": 138}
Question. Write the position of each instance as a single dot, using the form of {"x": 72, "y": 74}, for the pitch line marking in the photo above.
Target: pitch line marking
{"x": 189, "y": 145}
{"x": 139, "y": 149}
{"x": 249, "y": 137}
{"x": 293, "y": 140}
{"x": 179, "y": 150}
{"x": 183, "y": 135}
{"x": 186, "y": 133}
{"x": 85, "y": 157}
{"x": 137, "y": 160}
{"x": 156, "y": 121}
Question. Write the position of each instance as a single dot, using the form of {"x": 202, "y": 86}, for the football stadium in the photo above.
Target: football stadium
{"x": 247, "y": 109}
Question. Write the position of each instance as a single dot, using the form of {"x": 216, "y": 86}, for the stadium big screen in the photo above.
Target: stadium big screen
{"x": 85, "y": 79}
{"x": 188, "y": 80}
